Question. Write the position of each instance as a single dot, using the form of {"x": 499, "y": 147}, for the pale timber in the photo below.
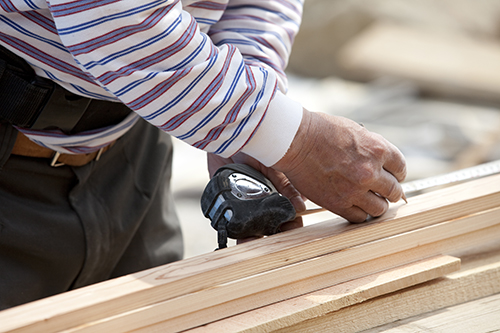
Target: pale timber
{"x": 478, "y": 316}
{"x": 296, "y": 310}
{"x": 341, "y": 295}
{"x": 475, "y": 280}
{"x": 184, "y": 278}
{"x": 443, "y": 63}
{"x": 266, "y": 288}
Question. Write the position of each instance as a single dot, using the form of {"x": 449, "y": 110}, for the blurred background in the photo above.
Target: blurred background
{"x": 425, "y": 74}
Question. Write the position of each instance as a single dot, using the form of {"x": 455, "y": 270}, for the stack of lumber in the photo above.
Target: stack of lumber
{"x": 440, "y": 63}
{"x": 328, "y": 276}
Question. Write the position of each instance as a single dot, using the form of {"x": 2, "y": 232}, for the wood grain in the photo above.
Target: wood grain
{"x": 289, "y": 312}
{"x": 339, "y": 296}
{"x": 470, "y": 283}
{"x": 478, "y": 316}
{"x": 180, "y": 279}
{"x": 262, "y": 289}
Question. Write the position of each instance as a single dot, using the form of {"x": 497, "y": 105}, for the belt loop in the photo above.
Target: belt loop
{"x": 99, "y": 153}
{"x": 54, "y": 163}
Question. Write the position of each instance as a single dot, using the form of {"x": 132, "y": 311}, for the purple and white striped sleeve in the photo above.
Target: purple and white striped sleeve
{"x": 217, "y": 93}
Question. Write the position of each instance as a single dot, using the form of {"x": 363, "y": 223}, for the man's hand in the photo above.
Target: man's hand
{"x": 279, "y": 180}
{"x": 341, "y": 166}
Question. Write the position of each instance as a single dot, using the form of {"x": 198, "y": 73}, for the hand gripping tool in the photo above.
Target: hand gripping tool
{"x": 241, "y": 203}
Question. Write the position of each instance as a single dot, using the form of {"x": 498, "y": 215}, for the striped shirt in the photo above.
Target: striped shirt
{"x": 209, "y": 72}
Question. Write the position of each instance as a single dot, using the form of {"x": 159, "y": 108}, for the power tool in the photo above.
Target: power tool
{"x": 241, "y": 202}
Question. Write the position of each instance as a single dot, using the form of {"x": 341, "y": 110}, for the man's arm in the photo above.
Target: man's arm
{"x": 157, "y": 61}
{"x": 337, "y": 164}
{"x": 332, "y": 161}
{"x": 262, "y": 30}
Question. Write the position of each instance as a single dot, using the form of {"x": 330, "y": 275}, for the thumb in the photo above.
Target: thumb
{"x": 286, "y": 188}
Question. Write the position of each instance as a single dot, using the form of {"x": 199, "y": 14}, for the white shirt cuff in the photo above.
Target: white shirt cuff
{"x": 276, "y": 131}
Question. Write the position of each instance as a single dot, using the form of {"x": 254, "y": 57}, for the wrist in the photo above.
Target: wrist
{"x": 276, "y": 132}
{"x": 300, "y": 144}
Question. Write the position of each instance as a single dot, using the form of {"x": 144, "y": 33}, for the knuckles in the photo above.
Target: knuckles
{"x": 365, "y": 174}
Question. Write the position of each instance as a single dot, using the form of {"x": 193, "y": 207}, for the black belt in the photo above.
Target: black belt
{"x": 30, "y": 101}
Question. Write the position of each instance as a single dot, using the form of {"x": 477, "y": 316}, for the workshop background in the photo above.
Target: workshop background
{"x": 425, "y": 74}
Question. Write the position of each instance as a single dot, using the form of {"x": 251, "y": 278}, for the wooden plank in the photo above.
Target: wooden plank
{"x": 484, "y": 307}
{"x": 204, "y": 272}
{"x": 442, "y": 63}
{"x": 290, "y": 312}
{"x": 473, "y": 281}
{"x": 266, "y": 288}
{"x": 478, "y": 316}
{"x": 342, "y": 295}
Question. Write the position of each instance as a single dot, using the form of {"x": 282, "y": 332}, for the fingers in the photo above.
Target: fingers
{"x": 353, "y": 214}
{"x": 384, "y": 179}
{"x": 395, "y": 164}
{"x": 388, "y": 187}
{"x": 286, "y": 188}
{"x": 374, "y": 204}
{"x": 393, "y": 172}
{"x": 370, "y": 204}
{"x": 214, "y": 162}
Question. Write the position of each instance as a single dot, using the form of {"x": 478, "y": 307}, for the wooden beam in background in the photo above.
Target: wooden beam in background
{"x": 443, "y": 63}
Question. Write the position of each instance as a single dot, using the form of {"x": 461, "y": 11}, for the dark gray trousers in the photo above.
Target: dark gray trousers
{"x": 67, "y": 227}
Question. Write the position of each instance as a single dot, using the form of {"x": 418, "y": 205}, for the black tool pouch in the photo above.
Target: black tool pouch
{"x": 18, "y": 91}
{"x": 30, "y": 101}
